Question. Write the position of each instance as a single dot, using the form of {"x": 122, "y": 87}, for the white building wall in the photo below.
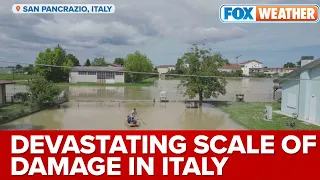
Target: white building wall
{"x": 119, "y": 78}
{"x": 249, "y": 65}
{"x": 305, "y": 62}
{"x": 75, "y": 78}
{"x": 163, "y": 70}
{"x": 2, "y": 101}
{"x": 226, "y": 70}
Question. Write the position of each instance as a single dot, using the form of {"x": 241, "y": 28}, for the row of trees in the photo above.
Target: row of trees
{"x": 58, "y": 56}
{"x": 292, "y": 65}
{"x": 103, "y": 62}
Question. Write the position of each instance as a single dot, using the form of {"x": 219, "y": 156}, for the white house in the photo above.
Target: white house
{"x": 96, "y": 74}
{"x": 300, "y": 91}
{"x": 245, "y": 66}
{"x": 165, "y": 68}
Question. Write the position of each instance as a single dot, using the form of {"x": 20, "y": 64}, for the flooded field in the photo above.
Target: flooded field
{"x": 95, "y": 115}
{"x": 92, "y": 116}
{"x": 253, "y": 89}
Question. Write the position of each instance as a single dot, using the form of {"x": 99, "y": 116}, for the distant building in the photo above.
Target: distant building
{"x": 245, "y": 66}
{"x": 96, "y": 74}
{"x": 3, "y": 94}
{"x": 230, "y": 68}
{"x": 306, "y": 59}
{"x": 300, "y": 91}
{"x": 278, "y": 71}
{"x": 165, "y": 68}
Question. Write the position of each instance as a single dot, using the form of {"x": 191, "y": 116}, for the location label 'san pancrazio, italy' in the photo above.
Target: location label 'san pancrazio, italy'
{"x": 63, "y": 8}
{"x": 269, "y": 13}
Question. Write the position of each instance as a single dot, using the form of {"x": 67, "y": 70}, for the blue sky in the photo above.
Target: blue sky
{"x": 162, "y": 30}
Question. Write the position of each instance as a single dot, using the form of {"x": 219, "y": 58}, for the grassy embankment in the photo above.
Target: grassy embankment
{"x": 17, "y": 77}
{"x": 250, "y": 115}
{"x": 11, "y": 112}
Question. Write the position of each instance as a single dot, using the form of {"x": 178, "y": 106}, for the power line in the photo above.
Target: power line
{"x": 151, "y": 73}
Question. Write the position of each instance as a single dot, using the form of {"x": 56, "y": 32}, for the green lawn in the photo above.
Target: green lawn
{"x": 11, "y": 107}
{"x": 250, "y": 115}
{"x": 18, "y": 77}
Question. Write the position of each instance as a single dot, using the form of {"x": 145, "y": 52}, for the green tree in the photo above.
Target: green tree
{"x": 179, "y": 66}
{"x": 299, "y": 63}
{"x": 87, "y": 63}
{"x": 18, "y": 67}
{"x": 42, "y": 92}
{"x": 238, "y": 73}
{"x": 226, "y": 61}
{"x": 28, "y": 69}
{"x": 290, "y": 65}
{"x": 202, "y": 63}
{"x": 137, "y": 62}
{"x": 55, "y": 57}
{"x": 99, "y": 62}
{"x": 119, "y": 61}
{"x": 73, "y": 59}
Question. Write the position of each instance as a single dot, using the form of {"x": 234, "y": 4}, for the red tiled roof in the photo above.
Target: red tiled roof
{"x": 231, "y": 66}
{"x": 280, "y": 69}
{"x": 115, "y": 65}
{"x": 246, "y": 62}
{"x": 6, "y": 82}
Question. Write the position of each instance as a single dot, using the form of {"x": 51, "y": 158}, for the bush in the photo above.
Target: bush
{"x": 21, "y": 97}
{"x": 42, "y": 93}
{"x": 260, "y": 75}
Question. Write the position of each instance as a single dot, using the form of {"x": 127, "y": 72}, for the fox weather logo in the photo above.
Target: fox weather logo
{"x": 237, "y": 13}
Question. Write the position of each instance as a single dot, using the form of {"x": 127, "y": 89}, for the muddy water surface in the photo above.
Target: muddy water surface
{"x": 96, "y": 115}
{"x": 110, "y": 116}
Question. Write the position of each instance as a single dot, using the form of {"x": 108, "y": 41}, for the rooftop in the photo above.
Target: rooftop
{"x": 307, "y": 57}
{"x": 280, "y": 69}
{"x": 231, "y": 66}
{"x": 310, "y": 65}
{"x": 6, "y": 82}
{"x": 97, "y": 68}
{"x": 246, "y": 62}
{"x": 166, "y": 66}
{"x": 116, "y": 65}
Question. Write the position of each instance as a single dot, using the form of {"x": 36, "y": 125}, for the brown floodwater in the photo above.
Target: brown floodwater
{"x": 92, "y": 116}
{"x": 108, "y": 115}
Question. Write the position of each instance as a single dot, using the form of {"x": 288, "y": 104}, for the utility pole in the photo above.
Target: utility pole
{"x": 238, "y": 58}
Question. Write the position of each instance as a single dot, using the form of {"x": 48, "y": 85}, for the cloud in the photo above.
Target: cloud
{"x": 161, "y": 29}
